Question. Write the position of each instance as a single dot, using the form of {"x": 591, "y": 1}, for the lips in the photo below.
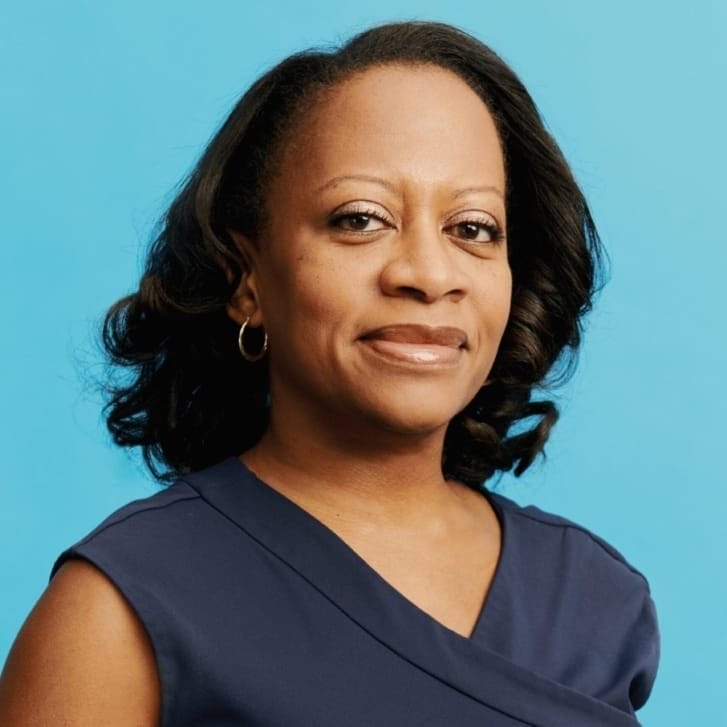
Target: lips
{"x": 417, "y": 345}
{"x": 418, "y": 334}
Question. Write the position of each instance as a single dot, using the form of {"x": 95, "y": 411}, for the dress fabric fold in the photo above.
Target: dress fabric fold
{"x": 259, "y": 614}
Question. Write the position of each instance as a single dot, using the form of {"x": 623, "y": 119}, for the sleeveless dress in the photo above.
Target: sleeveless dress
{"x": 261, "y": 615}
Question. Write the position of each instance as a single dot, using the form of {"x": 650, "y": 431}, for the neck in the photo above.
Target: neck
{"x": 375, "y": 477}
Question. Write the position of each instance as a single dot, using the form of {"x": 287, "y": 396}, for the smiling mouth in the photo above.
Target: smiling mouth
{"x": 418, "y": 344}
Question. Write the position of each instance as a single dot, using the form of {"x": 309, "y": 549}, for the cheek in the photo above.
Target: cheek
{"x": 310, "y": 301}
{"x": 314, "y": 293}
{"x": 496, "y": 300}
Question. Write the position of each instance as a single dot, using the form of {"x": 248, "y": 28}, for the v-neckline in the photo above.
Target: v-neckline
{"x": 371, "y": 573}
{"x": 330, "y": 566}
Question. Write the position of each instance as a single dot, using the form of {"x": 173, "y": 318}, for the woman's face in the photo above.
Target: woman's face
{"x": 382, "y": 276}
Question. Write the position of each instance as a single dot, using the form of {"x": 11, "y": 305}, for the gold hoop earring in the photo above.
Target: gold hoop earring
{"x": 252, "y": 357}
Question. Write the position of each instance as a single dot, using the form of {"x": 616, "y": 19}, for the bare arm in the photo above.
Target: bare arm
{"x": 82, "y": 658}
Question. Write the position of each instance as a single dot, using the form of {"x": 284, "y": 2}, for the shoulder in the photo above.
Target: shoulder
{"x": 88, "y": 651}
{"x": 591, "y": 608}
{"x": 571, "y": 545}
{"x": 82, "y": 656}
{"x": 178, "y": 513}
{"x": 185, "y": 526}
{"x": 126, "y": 589}
{"x": 146, "y": 529}
{"x": 164, "y": 505}
{"x": 149, "y": 547}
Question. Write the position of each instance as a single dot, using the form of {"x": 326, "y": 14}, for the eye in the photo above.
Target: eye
{"x": 476, "y": 230}
{"x": 358, "y": 220}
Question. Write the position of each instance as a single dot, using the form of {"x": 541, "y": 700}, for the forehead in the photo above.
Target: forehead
{"x": 417, "y": 122}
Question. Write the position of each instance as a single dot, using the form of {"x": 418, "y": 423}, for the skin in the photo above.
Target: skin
{"x": 360, "y": 443}
{"x": 82, "y": 658}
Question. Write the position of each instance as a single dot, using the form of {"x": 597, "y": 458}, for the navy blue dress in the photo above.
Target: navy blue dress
{"x": 259, "y": 614}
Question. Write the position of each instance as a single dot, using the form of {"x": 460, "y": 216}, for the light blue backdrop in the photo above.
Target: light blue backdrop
{"x": 106, "y": 105}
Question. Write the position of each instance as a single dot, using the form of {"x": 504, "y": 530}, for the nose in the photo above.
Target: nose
{"x": 423, "y": 264}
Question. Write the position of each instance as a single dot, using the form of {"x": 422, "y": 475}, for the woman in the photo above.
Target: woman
{"x": 334, "y": 344}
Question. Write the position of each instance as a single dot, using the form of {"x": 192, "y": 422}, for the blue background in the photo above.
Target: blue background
{"x": 106, "y": 106}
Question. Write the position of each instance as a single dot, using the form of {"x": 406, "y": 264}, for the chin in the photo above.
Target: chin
{"x": 415, "y": 417}
{"x": 405, "y": 405}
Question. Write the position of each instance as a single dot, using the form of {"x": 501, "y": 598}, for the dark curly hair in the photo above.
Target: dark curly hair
{"x": 189, "y": 399}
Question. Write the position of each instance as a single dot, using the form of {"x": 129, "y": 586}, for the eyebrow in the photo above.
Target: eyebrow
{"x": 391, "y": 188}
{"x": 482, "y": 188}
{"x": 358, "y": 178}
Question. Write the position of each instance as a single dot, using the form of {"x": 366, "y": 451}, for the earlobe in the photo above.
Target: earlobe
{"x": 244, "y": 303}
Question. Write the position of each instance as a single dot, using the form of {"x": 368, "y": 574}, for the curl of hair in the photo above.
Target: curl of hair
{"x": 189, "y": 399}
